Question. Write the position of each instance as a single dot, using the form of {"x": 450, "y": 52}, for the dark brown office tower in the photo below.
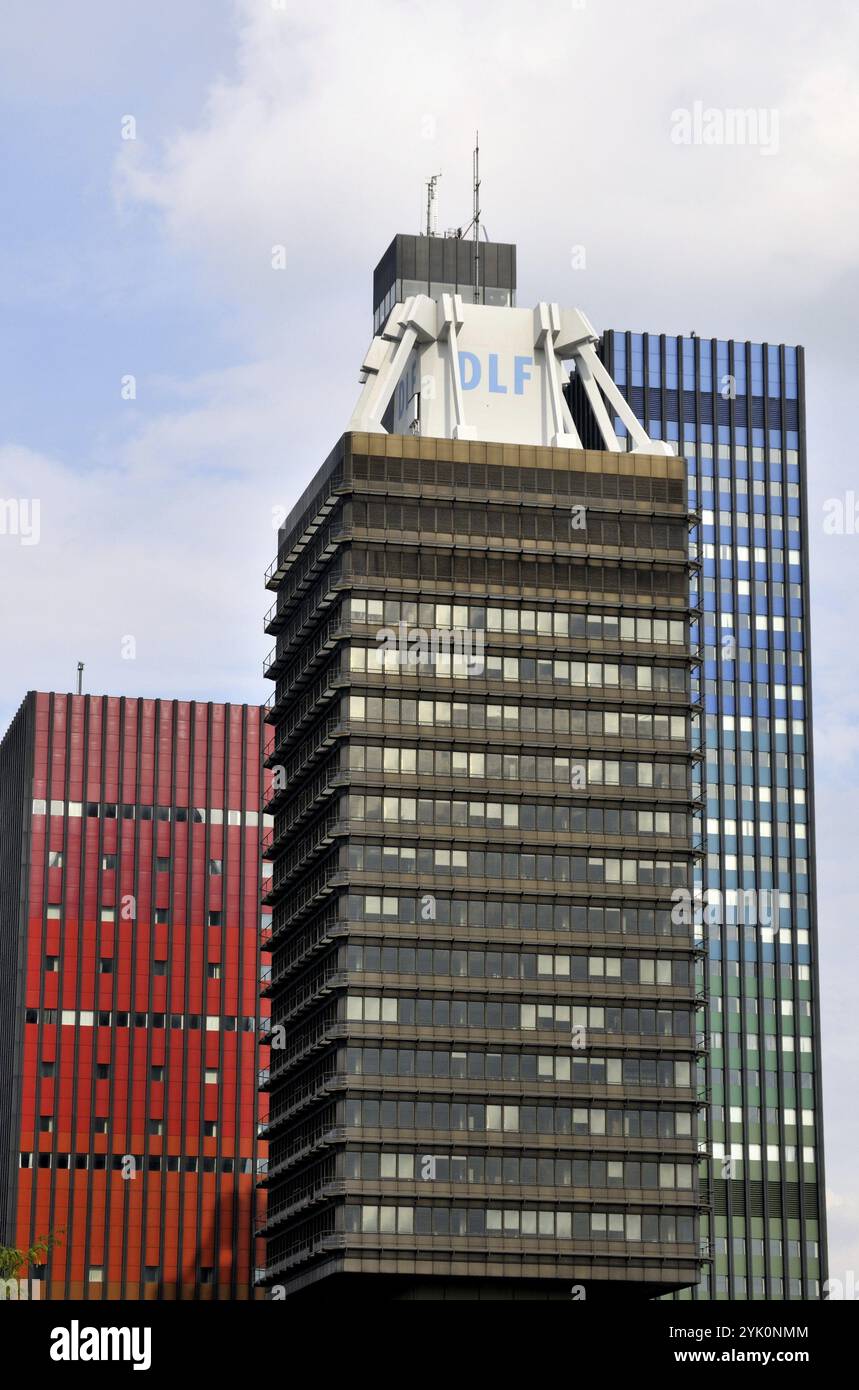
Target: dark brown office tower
{"x": 485, "y": 1017}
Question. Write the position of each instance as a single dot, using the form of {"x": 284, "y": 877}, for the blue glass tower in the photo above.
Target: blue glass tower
{"x": 735, "y": 411}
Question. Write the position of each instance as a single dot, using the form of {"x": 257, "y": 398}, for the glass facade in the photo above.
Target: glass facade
{"x": 735, "y": 412}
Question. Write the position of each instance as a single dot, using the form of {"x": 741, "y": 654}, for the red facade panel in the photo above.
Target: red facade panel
{"x": 141, "y": 1037}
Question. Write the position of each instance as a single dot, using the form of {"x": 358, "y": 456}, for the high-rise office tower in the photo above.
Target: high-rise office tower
{"x": 485, "y": 1061}
{"x": 130, "y": 946}
{"x": 735, "y": 411}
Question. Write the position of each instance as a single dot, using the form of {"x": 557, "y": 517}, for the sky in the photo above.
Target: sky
{"x": 192, "y": 201}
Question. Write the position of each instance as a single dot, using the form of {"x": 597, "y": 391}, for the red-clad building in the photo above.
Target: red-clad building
{"x": 131, "y": 951}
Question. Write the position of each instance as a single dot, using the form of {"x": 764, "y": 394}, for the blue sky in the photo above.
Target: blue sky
{"x": 261, "y": 124}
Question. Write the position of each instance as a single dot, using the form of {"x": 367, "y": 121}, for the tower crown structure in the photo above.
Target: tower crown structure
{"x": 454, "y": 370}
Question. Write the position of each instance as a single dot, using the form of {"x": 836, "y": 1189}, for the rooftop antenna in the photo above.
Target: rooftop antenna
{"x": 80, "y": 678}
{"x": 476, "y": 221}
{"x": 474, "y": 224}
{"x": 432, "y": 185}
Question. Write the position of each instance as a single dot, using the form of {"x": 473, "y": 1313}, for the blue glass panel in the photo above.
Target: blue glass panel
{"x": 705, "y": 366}
{"x": 740, "y": 368}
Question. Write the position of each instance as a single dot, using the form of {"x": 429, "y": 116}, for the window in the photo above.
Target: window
{"x": 92, "y": 810}
{"x": 151, "y": 1274}
{"x": 234, "y": 818}
{"x": 162, "y": 863}
{"x": 213, "y": 970}
{"x": 161, "y": 916}
{"x": 127, "y": 812}
{"x": 48, "y": 1069}
{"x": 156, "y": 1073}
{"x": 95, "y": 1274}
{"x": 207, "y": 1275}
{"x": 55, "y": 859}
{"x": 159, "y": 967}
{"x": 108, "y": 861}
{"x": 210, "y": 1129}
{"x": 99, "y": 1124}
{"x": 162, "y": 812}
{"x": 40, "y": 806}
{"x": 216, "y": 867}
{"x": 210, "y": 1076}
{"x": 52, "y": 964}
{"x": 102, "y": 1071}
{"x": 214, "y": 919}
{"x": 46, "y": 1124}
{"x": 156, "y": 1127}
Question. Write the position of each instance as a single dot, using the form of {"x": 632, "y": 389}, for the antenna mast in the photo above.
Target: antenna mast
{"x": 432, "y": 185}
{"x": 80, "y": 678}
{"x": 476, "y": 219}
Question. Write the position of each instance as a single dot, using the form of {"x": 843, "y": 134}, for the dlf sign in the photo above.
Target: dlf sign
{"x": 485, "y": 374}
{"x": 481, "y": 371}
{"x": 471, "y": 373}
{"x": 482, "y": 378}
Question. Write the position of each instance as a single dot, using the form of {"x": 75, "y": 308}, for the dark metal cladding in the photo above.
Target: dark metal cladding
{"x": 487, "y": 1018}
{"x": 442, "y": 265}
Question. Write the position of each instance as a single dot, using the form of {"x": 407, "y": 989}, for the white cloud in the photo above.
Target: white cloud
{"x": 164, "y": 536}
{"x": 319, "y": 144}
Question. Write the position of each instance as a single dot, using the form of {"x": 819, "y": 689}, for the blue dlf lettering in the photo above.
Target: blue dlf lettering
{"x": 471, "y": 373}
